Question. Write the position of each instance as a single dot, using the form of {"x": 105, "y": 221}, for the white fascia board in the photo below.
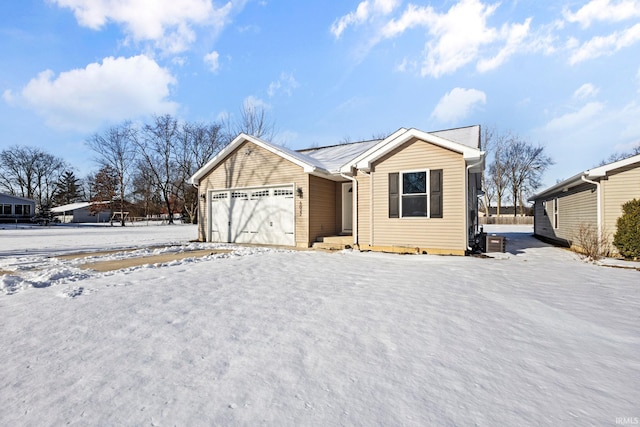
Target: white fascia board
{"x": 559, "y": 187}
{"x": 469, "y": 153}
{"x": 348, "y": 167}
{"x": 602, "y": 171}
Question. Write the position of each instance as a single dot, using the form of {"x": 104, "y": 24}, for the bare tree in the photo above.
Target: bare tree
{"x": 621, "y": 155}
{"x": 104, "y": 187}
{"x": 524, "y": 164}
{"x": 497, "y": 182}
{"x": 31, "y": 172}
{"x": 254, "y": 120}
{"x": 157, "y": 150}
{"x": 116, "y": 151}
{"x": 198, "y": 144}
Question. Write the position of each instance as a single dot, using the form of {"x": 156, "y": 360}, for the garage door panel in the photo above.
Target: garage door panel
{"x": 260, "y": 215}
{"x": 219, "y": 217}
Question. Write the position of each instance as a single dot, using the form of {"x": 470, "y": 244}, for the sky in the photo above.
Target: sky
{"x": 563, "y": 74}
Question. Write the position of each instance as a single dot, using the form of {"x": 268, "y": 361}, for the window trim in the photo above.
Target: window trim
{"x": 556, "y": 215}
{"x": 427, "y": 193}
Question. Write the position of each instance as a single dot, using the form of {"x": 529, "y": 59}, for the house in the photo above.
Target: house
{"x": 412, "y": 190}
{"x": 79, "y": 212}
{"x": 591, "y": 198}
{"x": 14, "y": 208}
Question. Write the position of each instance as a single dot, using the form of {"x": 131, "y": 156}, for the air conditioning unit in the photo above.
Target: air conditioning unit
{"x": 496, "y": 243}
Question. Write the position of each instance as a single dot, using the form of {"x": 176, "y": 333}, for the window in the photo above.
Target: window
{"x": 6, "y": 209}
{"x": 555, "y": 213}
{"x": 27, "y": 210}
{"x": 415, "y": 194}
{"x": 18, "y": 209}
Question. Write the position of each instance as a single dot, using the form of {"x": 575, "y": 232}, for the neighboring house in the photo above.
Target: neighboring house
{"x": 14, "y": 208}
{"x": 591, "y": 198}
{"x": 79, "y": 212}
{"x": 413, "y": 189}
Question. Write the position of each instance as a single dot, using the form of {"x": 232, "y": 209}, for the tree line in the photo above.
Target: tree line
{"x": 141, "y": 169}
{"x": 144, "y": 168}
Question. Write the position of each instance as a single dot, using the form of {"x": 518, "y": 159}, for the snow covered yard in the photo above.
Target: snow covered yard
{"x": 262, "y": 336}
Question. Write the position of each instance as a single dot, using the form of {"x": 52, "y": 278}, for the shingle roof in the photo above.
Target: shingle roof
{"x": 333, "y": 157}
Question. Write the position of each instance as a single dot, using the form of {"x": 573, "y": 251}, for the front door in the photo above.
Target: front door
{"x": 347, "y": 207}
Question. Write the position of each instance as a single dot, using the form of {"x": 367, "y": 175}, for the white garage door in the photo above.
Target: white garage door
{"x": 257, "y": 215}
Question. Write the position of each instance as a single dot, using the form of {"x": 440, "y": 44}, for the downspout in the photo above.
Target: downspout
{"x": 354, "y": 225}
{"x": 466, "y": 201}
{"x": 598, "y": 203}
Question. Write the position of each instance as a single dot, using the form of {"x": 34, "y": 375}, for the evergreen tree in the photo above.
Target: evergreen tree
{"x": 68, "y": 189}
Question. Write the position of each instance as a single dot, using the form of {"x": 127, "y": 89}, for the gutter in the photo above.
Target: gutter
{"x": 354, "y": 225}
{"x": 598, "y": 202}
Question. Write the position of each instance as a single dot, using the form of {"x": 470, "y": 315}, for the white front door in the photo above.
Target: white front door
{"x": 347, "y": 207}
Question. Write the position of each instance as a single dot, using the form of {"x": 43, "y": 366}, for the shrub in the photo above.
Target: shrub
{"x": 590, "y": 243}
{"x": 627, "y": 238}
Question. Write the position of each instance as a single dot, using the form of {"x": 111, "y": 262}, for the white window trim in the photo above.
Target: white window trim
{"x": 556, "y": 214}
{"x": 401, "y": 193}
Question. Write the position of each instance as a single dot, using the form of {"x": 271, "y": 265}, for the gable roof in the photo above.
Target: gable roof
{"x": 401, "y": 136}
{"x": 468, "y": 135}
{"x": 590, "y": 174}
{"x": 331, "y": 161}
{"x": 335, "y": 156}
{"x": 17, "y": 197}
{"x": 308, "y": 164}
{"x": 70, "y": 207}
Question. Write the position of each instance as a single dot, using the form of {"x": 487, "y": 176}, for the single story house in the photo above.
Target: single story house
{"x": 412, "y": 189}
{"x": 15, "y": 208}
{"x": 591, "y": 198}
{"x": 79, "y": 212}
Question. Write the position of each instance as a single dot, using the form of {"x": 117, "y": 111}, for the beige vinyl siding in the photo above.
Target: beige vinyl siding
{"x": 575, "y": 208}
{"x": 447, "y": 233}
{"x": 338, "y": 204}
{"x": 252, "y": 166}
{"x": 322, "y": 208}
{"x": 364, "y": 208}
{"x": 620, "y": 187}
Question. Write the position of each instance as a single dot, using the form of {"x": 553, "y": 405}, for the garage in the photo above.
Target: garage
{"x": 263, "y": 215}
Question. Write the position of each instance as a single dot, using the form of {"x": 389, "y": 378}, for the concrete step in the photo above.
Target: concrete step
{"x": 340, "y": 240}
{"x": 330, "y": 246}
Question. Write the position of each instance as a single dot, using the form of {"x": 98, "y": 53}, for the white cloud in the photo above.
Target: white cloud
{"x": 604, "y": 10}
{"x": 251, "y": 103}
{"x": 585, "y": 91}
{"x": 457, "y": 104}
{"x": 606, "y": 45}
{"x": 365, "y": 11}
{"x": 167, "y": 23}
{"x": 114, "y": 90}
{"x": 576, "y": 119}
{"x": 460, "y": 36}
{"x": 515, "y": 36}
{"x": 212, "y": 61}
{"x": 285, "y": 84}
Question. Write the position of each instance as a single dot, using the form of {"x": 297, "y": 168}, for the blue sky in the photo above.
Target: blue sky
{"x": 565, "y": 74}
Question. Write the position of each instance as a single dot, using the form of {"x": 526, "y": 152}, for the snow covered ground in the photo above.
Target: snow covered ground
{"x": 534, "y": 336}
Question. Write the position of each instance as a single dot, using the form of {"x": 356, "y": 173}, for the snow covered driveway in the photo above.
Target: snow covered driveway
{"x": 266, "y": 337}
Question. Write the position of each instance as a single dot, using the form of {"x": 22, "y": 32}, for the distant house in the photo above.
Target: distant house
{"x": 592, "y": 198}
{"x": 79, "y": 212}
{"x": 412, "y": 189}
{"x": 14, "y": 208}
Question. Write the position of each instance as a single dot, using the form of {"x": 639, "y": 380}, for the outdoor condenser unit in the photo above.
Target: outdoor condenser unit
{"x": 496, "y": 243}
